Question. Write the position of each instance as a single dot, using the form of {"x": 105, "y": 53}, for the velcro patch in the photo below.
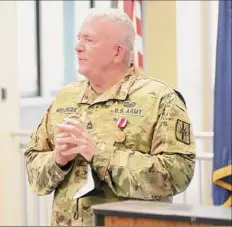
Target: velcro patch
{"x": 182, "y": 132}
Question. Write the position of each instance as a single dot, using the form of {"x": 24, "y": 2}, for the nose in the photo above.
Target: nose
{"x": 80, "y": 46}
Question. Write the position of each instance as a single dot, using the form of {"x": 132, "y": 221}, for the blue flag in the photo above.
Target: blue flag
{"x": 222, "y": 163}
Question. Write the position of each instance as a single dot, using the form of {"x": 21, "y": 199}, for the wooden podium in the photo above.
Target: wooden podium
{"x": 151, "y": 213}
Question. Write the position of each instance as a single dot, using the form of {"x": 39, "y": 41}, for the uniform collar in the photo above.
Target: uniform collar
{"x": 118, "y": 92}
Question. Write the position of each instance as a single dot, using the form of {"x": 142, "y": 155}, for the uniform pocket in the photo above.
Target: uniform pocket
{"x": 61, "y": 218}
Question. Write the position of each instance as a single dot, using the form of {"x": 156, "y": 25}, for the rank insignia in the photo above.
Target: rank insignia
{"x": 90, "y": 125}
{"x": 182, "y": 132}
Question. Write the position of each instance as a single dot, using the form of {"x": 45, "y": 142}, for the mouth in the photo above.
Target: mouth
{"x": 80, "y": 60}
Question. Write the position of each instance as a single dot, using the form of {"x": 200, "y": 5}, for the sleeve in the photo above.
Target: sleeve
{"x": 169, "y": 167}
{"x": 44, "y": 174}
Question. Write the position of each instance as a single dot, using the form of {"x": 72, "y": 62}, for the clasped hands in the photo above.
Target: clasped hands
{"x": 72, "y": 139}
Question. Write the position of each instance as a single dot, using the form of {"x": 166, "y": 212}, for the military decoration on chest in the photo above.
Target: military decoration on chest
{"x": 120, "y": 135}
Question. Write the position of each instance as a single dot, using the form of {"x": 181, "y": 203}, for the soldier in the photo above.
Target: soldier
{"x": 132, "y": 130}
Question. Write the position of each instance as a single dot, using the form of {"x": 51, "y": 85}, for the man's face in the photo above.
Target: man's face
{"x": 96, "y": 46}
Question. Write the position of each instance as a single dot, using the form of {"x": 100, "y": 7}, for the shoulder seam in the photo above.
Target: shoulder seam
{"x": 172, "y": 90}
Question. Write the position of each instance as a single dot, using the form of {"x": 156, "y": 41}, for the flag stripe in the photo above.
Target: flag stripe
{"x": 137, "y": 6}
{"x": 138, "y": 26}
{"x": 139, "y": 39}
{"x": 133, "y": 8}
{"x": 129, "y": 8}
{"x": 140, "y": 60}
{"x": 139, "y": 44}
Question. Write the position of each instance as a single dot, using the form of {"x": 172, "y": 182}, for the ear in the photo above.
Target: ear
{"x": 120, "y": 51}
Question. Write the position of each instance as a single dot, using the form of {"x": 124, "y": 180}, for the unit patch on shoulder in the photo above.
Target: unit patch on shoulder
{"x": 182, "y": 132}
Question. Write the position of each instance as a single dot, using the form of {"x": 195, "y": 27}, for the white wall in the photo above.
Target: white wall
{"x": 196, "y": 45}
{"x": 11, "y": 199}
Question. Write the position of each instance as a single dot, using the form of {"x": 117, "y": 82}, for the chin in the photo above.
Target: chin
{"x": 82, "y": 71}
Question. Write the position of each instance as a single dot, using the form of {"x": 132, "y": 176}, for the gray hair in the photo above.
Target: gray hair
{"x": 122, "y": 19}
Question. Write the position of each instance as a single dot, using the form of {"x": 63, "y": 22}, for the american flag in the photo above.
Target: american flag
{"x": 133, "y": 8}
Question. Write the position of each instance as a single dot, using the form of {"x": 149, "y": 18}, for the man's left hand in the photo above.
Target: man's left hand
{"x": 84, "y": 143}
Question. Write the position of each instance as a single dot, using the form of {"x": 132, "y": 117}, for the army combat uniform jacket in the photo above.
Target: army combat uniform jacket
{"x": 152, "y": 157}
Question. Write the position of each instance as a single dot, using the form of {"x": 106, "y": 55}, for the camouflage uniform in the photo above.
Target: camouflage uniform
{"x": 155, "y": 161}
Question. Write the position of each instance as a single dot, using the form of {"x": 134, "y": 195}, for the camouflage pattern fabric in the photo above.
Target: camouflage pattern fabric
{"x": 151, "y": 158}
